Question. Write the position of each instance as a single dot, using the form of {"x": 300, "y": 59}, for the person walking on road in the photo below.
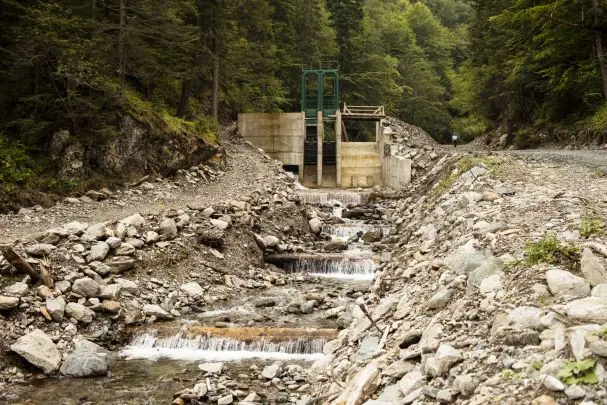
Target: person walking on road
{"x": 454, "y": 139}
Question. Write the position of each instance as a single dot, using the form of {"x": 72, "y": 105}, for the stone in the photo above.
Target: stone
{"x": 464, "y": 385}
{"x": 120, "y": 264}
{"x": 56, "y": 308}
{"x": 527, "y": 317}
{"x": 40, "y": 249}
{"x": 552, "y": 383}
{"x": 398, "y": 369}
{"x": 466, "y": 258}
{"x": 38, "y": 349}
{"x": 220, "y": 224}
{"x": 489, "y": 267}
{"x": 575, "y": 392}
{"x": 86, "y": 287}
{"x": 75, "y": 228}
{"x": 337, "y": 246}
{"x": 79, "y": 312}
{"x": 7, "y": 303}
{"x": 110, "y": 291}
{"x": 168, "y": 228}
{"x": 151, "y": 237}
{"x": 544, "y": 400}
{"x": 125, "y": 249}
{"x": 114, "y": 242}
{"x": 373, "y": 236}
{"x": 599, "y": 291}
{"x": 213, "y": 368}
{"x": 446, "y": 356}
{"x": 133, "y": 220}
{"x": 491, "y": 284}
{"x": 98, "y": 252}
{"x": 157, "y": 311}
{"x": 192, "y": 289}
{"x": 100, "y": 268}
{"x": 592, "y": 268}
{"x": 440, "y": 299}
{"x": 564, "y": 284}
{"x": 111, "y": 306}
{"x": 360, "y": 386}
{"x": 588, "y": 310}
{"x": 270, "y": 372}
{"x": 128, "y": 286}
{"x": 44, "y": 292}
{"x": 390, "y": 395}
{"x": 410, "y": 382}
{"x": 271, "y": 241}
{"x": 87, "y": 360}
{"x": 599, "y": 347}
{"x": 95, "y": 232}
{"x": 17, "y": 289}
{"x": 225, "y": 400}
{"x": 403, "y": 307}
{"x": 368, "y": 347}
{"x": 315, "y": 225}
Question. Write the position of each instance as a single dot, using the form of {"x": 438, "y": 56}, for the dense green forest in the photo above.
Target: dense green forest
{"x": 519, "y": 67}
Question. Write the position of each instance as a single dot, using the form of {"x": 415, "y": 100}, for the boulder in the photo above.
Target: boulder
{"x": 213, "y": 368}
{"x": 360, "y": 387}
{"x": 38, "y": 349}
{"x": 526, "y": 317}
{"x": 220, "y": 224}
{"x": 168, "y": 228}
{"x": 212, "y": 237}
{"x": 270, "y": 372}
{"x": 17, "y": 289}
{"x": 40, "y": 249}
{"x": 192, "y": 289}
{"x": 588, "y": 310}
{"x": 95, "y": 232}
{"x": 86, "y": 287}
{"x": 372, "y": 236}
{"x": 592, "y": 268}
{"x": 492, "y": 265}
{"x": 87, "y": 360}
{"x": 446, "y": 357}
{"x": 79, "y": 312}
{"x": 315, "y": 225}
{"x": 56, "y": 308}
{"x": 410, "y": 382}
{"x": 7, "y": 303}
{"x": 120, "y": 264}
{"x": 157, "y": 311}
{"x": 466, "y": 258}
{"x": 98, "y": 252}
{"x": 561, "y": 283}
{"x": 440, "y": 299}
{"x": 333, "y": 247}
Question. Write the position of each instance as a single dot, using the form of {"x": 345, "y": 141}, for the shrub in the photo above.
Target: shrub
{"x": 549, "y": 250}
{"x": 579, "y": 372}
{"x": 15, "y": 164}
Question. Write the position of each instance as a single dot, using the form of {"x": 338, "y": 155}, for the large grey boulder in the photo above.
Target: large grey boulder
{"x": 564, "y": 284}
{"x": 315, "y": 225}
{"x": 95, "y": 232}
{"x": 86, "y": 287}
{"x": 79, "y": 312}
{"x": 98, "y": 252}
{"x": 17, "y": 289}
{"x": 40, "y": 249}
{"x": 446, "y": 356}
{"x": 192, "y": 289}
{"x": 588, "y": 310}
{"x": 157, "y": 311}
{"x": 592, "y": 268}
{"x": 38, "y": 349}
{"x": 87, "y": 360}
{"x": 526, "y": 317}
{"x": 466, "y": 258}
{"x": 168, "y": 228}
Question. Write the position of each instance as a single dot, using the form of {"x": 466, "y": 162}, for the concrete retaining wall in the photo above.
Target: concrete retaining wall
{"x": 281, "y": 135}
{"x": 396, "y": 170}
{"x": 360, "y": 164}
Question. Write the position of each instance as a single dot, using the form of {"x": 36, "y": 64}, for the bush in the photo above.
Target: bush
{"x": 15, "y": 164}
{"x": 550, "y": 250}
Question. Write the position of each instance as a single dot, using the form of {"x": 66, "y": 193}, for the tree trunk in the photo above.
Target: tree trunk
{"x": 22, "y": 266}
{"x": 121, "y": 63}
{"x": 600, "y": 51}
{"x": 186, "y": 89}
{"x": 215, "y": 102}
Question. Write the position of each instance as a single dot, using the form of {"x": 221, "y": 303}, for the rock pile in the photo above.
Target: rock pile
{"x": 491, "y": 296}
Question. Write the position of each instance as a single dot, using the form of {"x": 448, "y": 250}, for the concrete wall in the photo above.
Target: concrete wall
{"x": 360, "y": 164}
{"x": 281, "y": 135}
{"x": 396, "y": 170}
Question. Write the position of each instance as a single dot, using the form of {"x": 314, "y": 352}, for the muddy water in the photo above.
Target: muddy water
{"x": 155, "y": 365}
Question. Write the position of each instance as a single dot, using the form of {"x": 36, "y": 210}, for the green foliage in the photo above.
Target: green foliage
{"x": 537, "y": 365}
{"x": 549, "y": 250}
{"x": 579, "y": 372}
{"x": 592, "y": 223}
{"x": 468, "y": 162}
{"x": 15, "y": 164}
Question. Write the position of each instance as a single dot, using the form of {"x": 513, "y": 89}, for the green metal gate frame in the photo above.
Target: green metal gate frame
{"x": 327, "y": 104}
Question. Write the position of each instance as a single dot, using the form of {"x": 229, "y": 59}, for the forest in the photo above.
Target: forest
{"x": 534, "y": 70}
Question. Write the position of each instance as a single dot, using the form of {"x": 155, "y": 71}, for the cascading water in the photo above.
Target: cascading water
{"x": 326, "y": 197}
{"x": 181, "y": 346}
{"x": 347, "y": 267}
{"x": 347, "y": 230}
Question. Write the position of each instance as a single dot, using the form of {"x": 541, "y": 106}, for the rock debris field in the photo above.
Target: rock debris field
{"x": 483, "y": 282}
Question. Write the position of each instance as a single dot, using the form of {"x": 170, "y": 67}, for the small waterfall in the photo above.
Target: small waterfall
{"x": 326, "y": 197}
{"x": 181, "y": 346}
{"x": 347, "y": 230}
{"x": 346, "y": 268}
